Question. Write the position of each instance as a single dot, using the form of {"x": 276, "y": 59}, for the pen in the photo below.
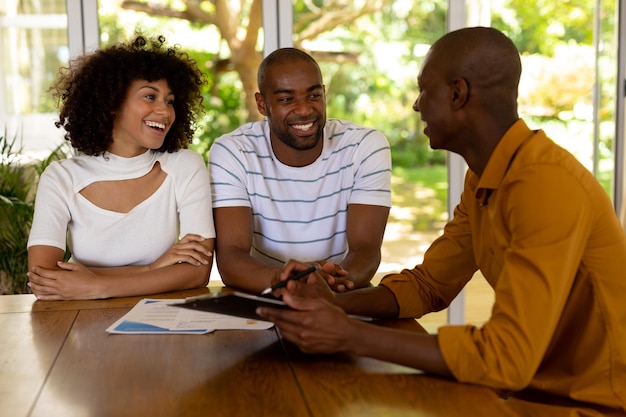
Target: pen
{"x": 281, "y": 284}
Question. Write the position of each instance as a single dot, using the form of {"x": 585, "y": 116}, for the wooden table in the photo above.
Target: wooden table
{"x": 57, "y": 360}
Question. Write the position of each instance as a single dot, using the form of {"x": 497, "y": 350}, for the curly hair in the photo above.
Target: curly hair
{"x": 93, "y": 87}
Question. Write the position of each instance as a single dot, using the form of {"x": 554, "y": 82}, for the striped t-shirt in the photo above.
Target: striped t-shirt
{"x": 300, "y": 212}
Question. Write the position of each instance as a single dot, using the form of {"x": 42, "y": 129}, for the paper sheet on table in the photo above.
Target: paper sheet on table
{"x": 156, "y": 316}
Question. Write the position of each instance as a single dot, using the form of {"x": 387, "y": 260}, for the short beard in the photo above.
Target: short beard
{"x": 290, "y": 141}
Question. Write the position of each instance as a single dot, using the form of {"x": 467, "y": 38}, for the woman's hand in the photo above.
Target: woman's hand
{"x": 71, "y": 282}
{"x": 187, "y": 250}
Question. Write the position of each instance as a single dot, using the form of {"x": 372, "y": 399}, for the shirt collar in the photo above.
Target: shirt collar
{"x": 501, "y": 159}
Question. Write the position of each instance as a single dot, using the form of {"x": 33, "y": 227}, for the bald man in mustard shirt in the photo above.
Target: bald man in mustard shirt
{"x": 531, "y": 218}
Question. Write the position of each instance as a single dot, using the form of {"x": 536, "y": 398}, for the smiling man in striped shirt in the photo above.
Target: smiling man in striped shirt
{"x": 297, "y": 185}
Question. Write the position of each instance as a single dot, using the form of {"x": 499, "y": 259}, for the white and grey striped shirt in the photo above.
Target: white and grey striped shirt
{"x": 300, "y": 212}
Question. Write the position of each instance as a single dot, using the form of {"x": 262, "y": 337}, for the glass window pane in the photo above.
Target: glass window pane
{"x": 569, "y": 74}
{"x": 567, "y": 87}
{"x": 370, "y": 57}
{"x": 33, "y": 35}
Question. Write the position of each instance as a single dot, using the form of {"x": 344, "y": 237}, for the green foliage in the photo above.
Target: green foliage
{"x": 17, "y": 201}
{"x": 373, "y": 92}
{"x": 538, "y": 27}
{"x": 111, "y": 31}
{"x": 419, "y": 196}
{"x": 16, "y": 213}
{"x": 555, "y": 38}
{"x": 223, "y": 109}
{"x": 563, "y": 82}
{"x": 367, "y": 92}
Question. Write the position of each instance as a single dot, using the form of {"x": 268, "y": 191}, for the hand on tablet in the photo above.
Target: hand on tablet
{"x": 316, "y": 327}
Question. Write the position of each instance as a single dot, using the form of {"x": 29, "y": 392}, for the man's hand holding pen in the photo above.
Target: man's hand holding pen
{"x": 313, "y": 285}
{"x": 317, "y": 324}
{"x": 333, "y": 274}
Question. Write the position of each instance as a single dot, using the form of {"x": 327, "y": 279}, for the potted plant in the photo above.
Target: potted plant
{"x": 18, "y": 180}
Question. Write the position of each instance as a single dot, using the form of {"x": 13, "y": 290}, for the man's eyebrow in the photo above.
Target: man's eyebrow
{"x": 283, "y": 91}
{"x": 315, "y": 87}
{"x": 291, "y": 91}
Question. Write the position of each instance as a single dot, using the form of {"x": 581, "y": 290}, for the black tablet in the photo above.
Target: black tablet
{"x": 239, "y": 304}
{"x": 233, "y": 304}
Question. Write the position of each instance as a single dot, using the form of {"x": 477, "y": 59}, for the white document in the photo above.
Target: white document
{"x": 156, "y": 316}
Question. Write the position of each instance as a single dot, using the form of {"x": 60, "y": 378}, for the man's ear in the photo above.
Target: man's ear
{"x": 459, "y": 93}
{"x": 260, "y": 104}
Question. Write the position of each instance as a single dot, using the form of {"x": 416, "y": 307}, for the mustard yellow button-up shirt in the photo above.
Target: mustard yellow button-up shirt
{"x": 545, "y": 235}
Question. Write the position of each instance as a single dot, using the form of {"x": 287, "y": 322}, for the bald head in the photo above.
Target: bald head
{"x": 486, "y": 59}
{"x": 282, "y": 56}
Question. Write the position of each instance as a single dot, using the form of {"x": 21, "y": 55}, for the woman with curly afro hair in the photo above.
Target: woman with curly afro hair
{"x": 134, "y": 206}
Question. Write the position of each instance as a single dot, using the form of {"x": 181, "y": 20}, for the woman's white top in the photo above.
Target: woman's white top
{"x": 102, "y": 238}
